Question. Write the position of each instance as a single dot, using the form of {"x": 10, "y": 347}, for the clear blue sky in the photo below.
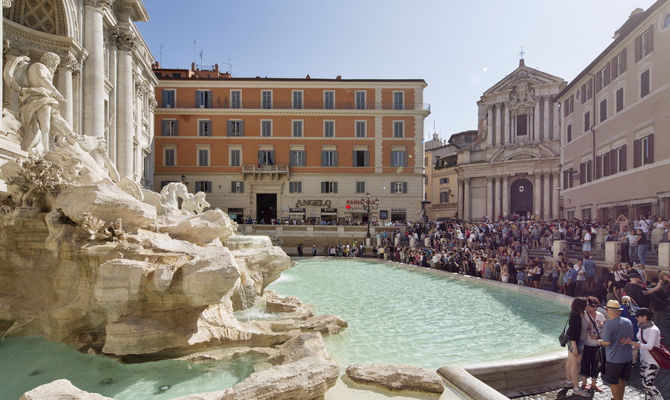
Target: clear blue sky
{"x": 460, "y": 48}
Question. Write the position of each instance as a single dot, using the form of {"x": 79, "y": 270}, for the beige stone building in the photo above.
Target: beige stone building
{"x": 104, "y": 75}
{"x": 441, "y": 179}
{"x": 615, "y": 153}
{"x": 512, "y": 167}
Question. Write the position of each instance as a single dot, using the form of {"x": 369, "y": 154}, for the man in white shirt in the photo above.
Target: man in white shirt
{"x": 586, "y": 241}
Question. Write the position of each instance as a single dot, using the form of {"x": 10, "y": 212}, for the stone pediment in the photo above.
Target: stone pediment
{"x": 524, "y": 76}
{"x": 521, "y": 153}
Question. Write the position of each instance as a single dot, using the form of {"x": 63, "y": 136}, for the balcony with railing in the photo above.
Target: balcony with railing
{"x": 276, "y": 105}
{"x": 261, "y": 171}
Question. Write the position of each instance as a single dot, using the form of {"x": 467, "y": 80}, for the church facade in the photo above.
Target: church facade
{"x": 513, "y": 166}
{"x": 103, "y": 77}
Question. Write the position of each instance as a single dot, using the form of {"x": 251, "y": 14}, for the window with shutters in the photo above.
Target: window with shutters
{"x": 266, "y": 157}
{"x": 235, "y": 159}
{"x": 444, "y": 197}
{"x": 603, "y": 77}
{"x": 589, "y": 171}
{"x": 266, "y": 99}
{"x": 203, "y": 99}
{"x": 643, "y": 150}
{"x": 360, "y": 187}
{"x": 296, "y": 128}
{"x": 619, "y": 64}
{"x": 204, "y": 127}
{"x": 297, "y": 158}
{"x": 568, "y": 133}
{"x": 203, "y": 186}
{"x": 398, "y": 129}
{"x": 566, "y": 174}
{"x": 569, "y": 105}
{"x": 169, "y": 127}
{"x": 398, "y": 187}
{"x": 622, "y": 158}
{"x": 444, "y": 181}
{"x": 297, "y": 99}
{"x": 235, "y": 127}
{"x": 295, "y": 187}
{"x": 169, "y": 98}
{"x": 398, "y": 158}
{"x": 361, "y": 127}
{"x": 587, "y": 121}
{"x": 328, "y": 99}
{"x": 603, "y": 110}
{"x": 235, "y": 99}
{"x": 237, "y": 187}
{"x": 169, "y": 156}
{"x": 644, "y": 44}
{"x": 582, "y": 173}
{"x": 328, "y": 128}
{"x": 203, "y": 156}
{"x": 266, "y": 127}
{"x": 587, "y": 91}
{"x": 361, "y": 158}
{"x": 328, "y": 187}
{"x": 360, "y": 100}
{"x": 329, "y": 158}
{"x": 606, "y": 164}
{"x": 644, "y": 83}
{"x": 399, "y": 100}
{"x": 619, "y": 99}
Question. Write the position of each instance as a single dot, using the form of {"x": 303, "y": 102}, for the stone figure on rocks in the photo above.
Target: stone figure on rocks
{"x": 38, "y": 98}
{"x": 195, "y": 203}
{"x": 170, "y": 195}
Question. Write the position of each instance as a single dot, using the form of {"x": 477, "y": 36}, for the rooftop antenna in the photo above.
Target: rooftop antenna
{"x": 160, "y": 56}
{"x": 201, "y": 57}
{"x": 229, "y": 66}
{"x": 194, "y": 55}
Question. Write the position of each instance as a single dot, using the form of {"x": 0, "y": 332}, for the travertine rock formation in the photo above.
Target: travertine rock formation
{"x": 61, "y": 389}
{"x": 396, "y": 377}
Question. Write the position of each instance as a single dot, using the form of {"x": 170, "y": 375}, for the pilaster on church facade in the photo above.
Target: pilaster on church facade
{"x": 518, "y": 139}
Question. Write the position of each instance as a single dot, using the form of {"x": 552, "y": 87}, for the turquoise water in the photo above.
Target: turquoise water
{"x": 28, "y": 362}
{"x": 413, "y": 316}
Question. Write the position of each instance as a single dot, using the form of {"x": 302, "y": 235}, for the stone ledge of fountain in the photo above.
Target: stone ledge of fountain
{"x": 396, "y": 377}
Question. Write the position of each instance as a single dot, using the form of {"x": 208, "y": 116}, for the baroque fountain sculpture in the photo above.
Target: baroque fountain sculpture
{"x": 92, "y": 259}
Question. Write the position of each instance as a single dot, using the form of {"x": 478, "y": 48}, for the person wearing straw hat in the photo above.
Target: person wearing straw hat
{"x": 619, "y": 355}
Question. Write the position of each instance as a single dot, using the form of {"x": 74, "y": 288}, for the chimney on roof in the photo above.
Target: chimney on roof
{"x": 631, "y": 19}
{"x": 307, "y": 77}
{"x": 339, "y": 77}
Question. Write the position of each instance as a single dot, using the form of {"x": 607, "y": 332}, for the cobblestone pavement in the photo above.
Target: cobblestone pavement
{"x": 633, "y": 390}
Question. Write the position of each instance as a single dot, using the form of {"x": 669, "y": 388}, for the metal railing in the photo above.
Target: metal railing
{"x": 257, "y": 105}
{"x": 267, "y": 169}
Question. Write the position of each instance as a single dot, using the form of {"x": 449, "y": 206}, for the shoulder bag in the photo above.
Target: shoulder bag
{"x": 661, "y": 353}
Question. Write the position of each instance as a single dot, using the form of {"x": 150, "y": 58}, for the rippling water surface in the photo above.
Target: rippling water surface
{"x": 413, "y": 316}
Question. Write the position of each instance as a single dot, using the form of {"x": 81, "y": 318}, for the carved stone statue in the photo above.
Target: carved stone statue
{"x": 170, "y": 195}
{"x": 38, "y": 98}
{"x": 195, "y": 203}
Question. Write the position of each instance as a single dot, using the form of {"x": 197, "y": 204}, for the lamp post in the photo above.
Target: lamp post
{"x": 369, "y": 205}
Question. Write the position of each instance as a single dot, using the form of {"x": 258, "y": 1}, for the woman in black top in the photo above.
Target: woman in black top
{"x": 642, "y": 246}
{"x": 575, "y": 345}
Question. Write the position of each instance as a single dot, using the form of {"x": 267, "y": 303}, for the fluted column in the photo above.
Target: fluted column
{"x": 489, "y": 198}
{"x": 461, "y": 200}
{"x": 555, "y": 183}
{"x": 466, "y": 199}
{"x": 94, "y": 68}
{"x": 505, "y": 135}
{"x": 498, "y": 206}
{"x": 68, "y": 66}
{"x": 125, "y": 43}
{"x": 537, "y": 195}
{"x": 547, "y": 117}
{"x": 498, "y": 119}
{"x": 546, "y": 212}
{"x": 505, "y": 196}
{"x": 536, "y": 121}
{"x": 489, "y": 124}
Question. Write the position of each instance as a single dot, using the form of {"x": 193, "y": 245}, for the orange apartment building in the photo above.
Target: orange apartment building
{"x": 296, "y": 149}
